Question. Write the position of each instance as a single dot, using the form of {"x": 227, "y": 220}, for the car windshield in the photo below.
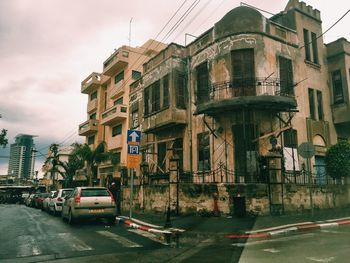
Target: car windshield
{"x": 94, "y": 192}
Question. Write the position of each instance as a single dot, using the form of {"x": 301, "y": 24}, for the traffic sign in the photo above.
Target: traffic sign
{"x": 134, "y": 160}
{"x": 134, "y": 137}
{"x": 306, "y": 150}
{"x": 133, "y": 149}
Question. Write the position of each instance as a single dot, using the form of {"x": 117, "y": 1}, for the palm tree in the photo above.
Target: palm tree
{"x": 70, "y": 167}
{"x": 91, "y": 157}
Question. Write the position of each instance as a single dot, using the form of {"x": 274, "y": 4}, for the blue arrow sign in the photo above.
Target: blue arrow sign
{"x": 134, "y": 136}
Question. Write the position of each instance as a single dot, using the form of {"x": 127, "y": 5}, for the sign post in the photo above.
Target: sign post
{"x": 307, "y": 150}
{"x": 133, "y": 161}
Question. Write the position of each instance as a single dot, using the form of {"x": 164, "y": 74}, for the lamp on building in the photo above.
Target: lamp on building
{"x": 145, "y": 171}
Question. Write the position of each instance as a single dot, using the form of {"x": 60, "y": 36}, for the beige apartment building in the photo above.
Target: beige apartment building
{"x": 108, "y": 102}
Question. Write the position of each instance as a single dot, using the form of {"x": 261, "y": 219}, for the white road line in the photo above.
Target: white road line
{"x": 282, "y": 239}
{"x": 121, "y": 240}
{"x": 323, "y": 260}
{"x": 271, "y": 250}
{"x": 73, "y": 242}
{"x": 328, "y": 225}
{"x": 148, "y": 235}
{"x": 27, "y": 246}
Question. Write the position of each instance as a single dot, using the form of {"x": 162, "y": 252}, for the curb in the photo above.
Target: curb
{"x": 282, "y": 230}
{"x": 130, "y": 223}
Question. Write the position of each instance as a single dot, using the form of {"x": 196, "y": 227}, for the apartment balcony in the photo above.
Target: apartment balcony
{"x": 164, "y": 119}
{"x": 116, "y": 142}
{"x": 92, "y": 106}
{"x": 117, "y": 90}
{"x": 255, "y": 93}
{"x": 92, "y": 82}
{"x": 114, "y": 114}
{"x": 115, "y": 62}
{"x": 89, "y": 127}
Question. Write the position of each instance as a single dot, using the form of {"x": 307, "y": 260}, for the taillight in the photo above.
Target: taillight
{"x": 112, "y": 197}
{"x": 77, "y": 198}
{"x": 59, "y": 199}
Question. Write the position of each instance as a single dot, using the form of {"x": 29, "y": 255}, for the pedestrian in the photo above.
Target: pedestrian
{"x": 116, "y": 195}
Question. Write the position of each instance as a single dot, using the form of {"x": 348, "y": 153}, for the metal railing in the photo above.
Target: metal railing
{"x": 251, "y": 87}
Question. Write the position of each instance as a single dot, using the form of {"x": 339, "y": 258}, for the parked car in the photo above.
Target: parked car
{"x": 38, "y": 200}
{"x": 55, "y": 205}
{"x": 89, "y": 202}
{"x": 30, "y": 200}
{"x": 45, "y": 206}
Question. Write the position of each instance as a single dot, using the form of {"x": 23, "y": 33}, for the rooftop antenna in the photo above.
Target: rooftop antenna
{"x": 130, "y": 32}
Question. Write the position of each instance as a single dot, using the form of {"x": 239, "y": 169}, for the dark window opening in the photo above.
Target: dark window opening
{"x": 286, "y": 76}
{"x": 243, "y": 72}
{"x": 338, "y": 95}
{"x": 91, "y": 140}
{"x": 93, "y": 95}
{"x": 116, "y": 130}
{"x": 180, "y": 89}
{"x": 161, "y": 153}
{"x": 166, "y": 91}
{"x": 146, "y": 101}
{"x": 319, "y": 105}
{"x": 156, "y": 96}
{"x": 307, "y": 44}
{"x": 93, "y": 116}
{"x": 135, "y": 75}
{"x": 314, "y": 47}
{"x": 178, "y": 150}
{"x": 203, "y": 88}
{"x": 119, "y": 77}
{"x": 203, "y": 150}
{"x": 135, "y": 115}
{"x": 118, "y": 101}
{"x": 290, "y": 138}
{"x": 312, "y": 104}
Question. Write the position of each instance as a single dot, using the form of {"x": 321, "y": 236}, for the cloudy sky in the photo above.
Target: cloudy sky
{"x": 47, "y": 47}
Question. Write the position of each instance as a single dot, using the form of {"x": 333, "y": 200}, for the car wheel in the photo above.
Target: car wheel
{"x": 54, "y": 211}
{"x": 70, "y": 218}
{"x": 63, "y": 217}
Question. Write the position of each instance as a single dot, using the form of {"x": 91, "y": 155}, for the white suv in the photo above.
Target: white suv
{"x": 55, "y": 205}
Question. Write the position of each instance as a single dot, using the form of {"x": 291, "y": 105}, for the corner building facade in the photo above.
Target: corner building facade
{"x": 245, "y": 88}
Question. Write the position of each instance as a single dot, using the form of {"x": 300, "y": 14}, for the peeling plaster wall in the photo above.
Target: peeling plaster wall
{"x": 198, "y": 198}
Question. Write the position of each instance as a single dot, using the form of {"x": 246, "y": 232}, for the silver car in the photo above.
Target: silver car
{"x": 89, "y": 202}
{"x": 56, "y": 201}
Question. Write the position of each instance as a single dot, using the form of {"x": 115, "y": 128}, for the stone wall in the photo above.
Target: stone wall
{"x": 199, "y": 198}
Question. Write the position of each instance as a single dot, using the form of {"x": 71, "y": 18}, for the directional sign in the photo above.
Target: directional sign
{"x": 134, "y": 137}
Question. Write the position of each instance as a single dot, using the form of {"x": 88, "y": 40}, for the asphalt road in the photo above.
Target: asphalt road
{"x": 30, "y": 235}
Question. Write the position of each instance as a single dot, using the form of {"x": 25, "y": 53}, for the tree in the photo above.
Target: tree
{"x": 3, "y": 139}
{"x": 70, "y": 167}
{"x": 338, "y": 160}
{"x": 91, "y": 158}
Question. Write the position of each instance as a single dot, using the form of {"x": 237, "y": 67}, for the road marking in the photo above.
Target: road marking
{"x": 282, "y": 239}
{"x": 325, "y": 260}
{"x": 271, "y": 250}
{"x": 148, "y": 235}
{"x": 73, "y": 242}
{"x": 121, "y": 240}
{"x": 331, "y": 231}
{"x": 27, "y": 247}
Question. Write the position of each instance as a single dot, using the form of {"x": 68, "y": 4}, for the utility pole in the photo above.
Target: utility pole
{"x": 54, "y": 161}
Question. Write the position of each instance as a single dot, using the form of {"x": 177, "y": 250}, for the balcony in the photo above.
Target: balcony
{"x": 89, "y": 127}
{"x": 114, "y": 114}
{"x": 164, "y": 119}
{"x": 256, "y": 93}
{"x": 116, "y": 142}
{"x": 115, "y": 62}
{"x": 92, "y": 106}
{"x": 92, "y": 82}
{"x": 117, "y": 90}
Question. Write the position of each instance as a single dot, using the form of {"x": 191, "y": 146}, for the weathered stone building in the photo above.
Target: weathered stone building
{"x": 233, "y": 106}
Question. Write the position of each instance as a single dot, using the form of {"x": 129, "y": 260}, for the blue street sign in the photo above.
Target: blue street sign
{"x": 134, "y": 136}
{"x": 133, "y": 149}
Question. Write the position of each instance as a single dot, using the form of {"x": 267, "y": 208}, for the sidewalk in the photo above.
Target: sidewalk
{"x": 226, "y": 225}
